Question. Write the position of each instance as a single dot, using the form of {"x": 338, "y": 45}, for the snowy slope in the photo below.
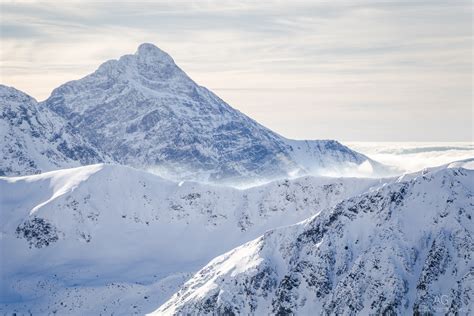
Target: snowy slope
{"x": 32, "y": 141}
{"x": 144, "y": 111}
{"x": 405, "y": 248}
{"x": 79, "y": 240}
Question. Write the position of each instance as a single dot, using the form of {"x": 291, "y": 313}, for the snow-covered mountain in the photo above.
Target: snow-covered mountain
{"x": 112, "y": 239}
{"x": 405, "y": 248}
{"x": 79, "y": 240}
{"x": 144, "y": 111}
{"x": 34, "y": 141}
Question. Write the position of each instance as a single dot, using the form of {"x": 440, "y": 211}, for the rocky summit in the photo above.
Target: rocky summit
{"x": 144, "y": 111}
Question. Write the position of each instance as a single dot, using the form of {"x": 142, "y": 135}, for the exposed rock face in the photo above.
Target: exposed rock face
{"x": 38, "y": 232}
{"x": 33, "y": 141}
{"x": 405, "y": 248}
{"x": 144, "y": 111}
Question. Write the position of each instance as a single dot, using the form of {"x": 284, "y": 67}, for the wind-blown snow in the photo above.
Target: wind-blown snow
{"x": 404, "y": 248}
{"x": 111, "y": 239}
{"x": 79, "y": 240}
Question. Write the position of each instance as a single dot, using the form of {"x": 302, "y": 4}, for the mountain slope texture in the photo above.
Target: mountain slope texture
{"x": 33, "y": 141}
{"x": 144, "y": 111}
{"x": 79, "y": 240}
{"x": 406, "y": 248}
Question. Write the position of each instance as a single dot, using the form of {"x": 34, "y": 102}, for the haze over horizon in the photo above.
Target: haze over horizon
{"x": 359, "y": 71}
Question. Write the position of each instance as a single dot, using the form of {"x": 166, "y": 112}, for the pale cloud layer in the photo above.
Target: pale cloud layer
{"x": 344, "y": 70}
{"x": 412, "y": 156}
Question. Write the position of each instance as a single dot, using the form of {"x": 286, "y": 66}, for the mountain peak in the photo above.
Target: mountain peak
{"x": 150, "y": 52}
{"x": 143, "y": 110}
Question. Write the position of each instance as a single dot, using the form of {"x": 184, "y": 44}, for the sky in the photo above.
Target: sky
{"x": 345, "y": 70}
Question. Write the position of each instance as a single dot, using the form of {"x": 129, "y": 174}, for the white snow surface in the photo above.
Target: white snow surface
{"x": 101, "y": 238}
{"x": 94, "y": 238}
{"x": 406, "y": 247}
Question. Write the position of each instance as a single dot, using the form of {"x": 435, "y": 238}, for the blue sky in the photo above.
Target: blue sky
{"x": 353, "y": 71}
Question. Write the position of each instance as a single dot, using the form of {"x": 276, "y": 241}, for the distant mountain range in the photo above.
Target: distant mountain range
{"x": 142, "y": 110}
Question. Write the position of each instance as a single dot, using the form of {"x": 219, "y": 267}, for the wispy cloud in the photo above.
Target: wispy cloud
{"x": 332, "y": 63}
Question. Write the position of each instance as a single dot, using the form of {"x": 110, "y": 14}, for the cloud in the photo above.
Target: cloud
{"x": 332, "y": 63}
{"x": 411, "y": 157}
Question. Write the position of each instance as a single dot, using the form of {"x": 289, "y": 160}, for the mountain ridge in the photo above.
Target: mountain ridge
{"x": 89, "y": 220}
{"x": 144, "y": 111}
{"x": 398, "y": 249}
{"x": 34, "y": 140}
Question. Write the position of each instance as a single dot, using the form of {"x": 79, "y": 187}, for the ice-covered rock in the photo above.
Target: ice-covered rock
{"x": 34, "y": 141}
